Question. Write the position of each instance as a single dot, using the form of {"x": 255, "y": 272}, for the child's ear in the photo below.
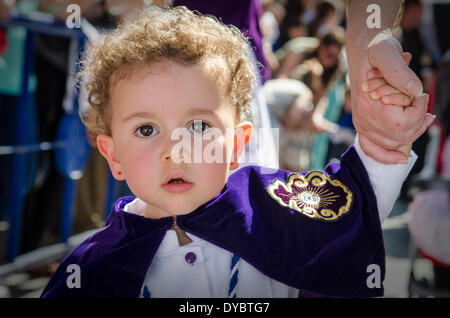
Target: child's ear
{"x": 106, "y": 147}
{"x": 242, "y": 135}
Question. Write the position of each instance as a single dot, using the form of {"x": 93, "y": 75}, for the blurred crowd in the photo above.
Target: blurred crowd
{"x": 305, "y": 85}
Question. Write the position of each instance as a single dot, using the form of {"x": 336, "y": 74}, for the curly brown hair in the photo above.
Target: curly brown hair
{"x": 175, "y": 34}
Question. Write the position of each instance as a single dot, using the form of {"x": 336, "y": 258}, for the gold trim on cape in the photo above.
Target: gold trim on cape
{"x": 312, "y": 196}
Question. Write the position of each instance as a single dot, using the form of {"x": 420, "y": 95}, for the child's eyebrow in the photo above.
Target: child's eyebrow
{"x": 201, "y": 111}
{"x": 138, "y": 115}
{"x": 150, "y": 115}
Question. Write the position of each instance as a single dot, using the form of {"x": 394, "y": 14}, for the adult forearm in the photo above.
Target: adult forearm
{"x": 357, "y": 17}
{"x": 359, "y": 34}
{"x": 361, "y": 31}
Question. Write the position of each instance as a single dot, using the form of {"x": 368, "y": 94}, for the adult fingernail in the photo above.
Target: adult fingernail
{"x": 385, "y": 100}
{"x": 414, "y": 88}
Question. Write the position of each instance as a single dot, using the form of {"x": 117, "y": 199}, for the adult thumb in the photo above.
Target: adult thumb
{"x": 394, "y": 68}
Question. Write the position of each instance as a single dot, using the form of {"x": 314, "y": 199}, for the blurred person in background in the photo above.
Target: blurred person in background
{"x": 339, "y": 142}
{"x": 410, "y": 36}
{"x": 321, "y": 71}
{"x": 292, "y": 26}
{"x": 41, "y": 215}
{"x": 325, "y": 20}
{"x": 441, "y": 12}
{"x": 290, "y": 107}
{"x": 269, "y": 22}
{"x": 53, "y": 60}
{"x": 322, "y": 67}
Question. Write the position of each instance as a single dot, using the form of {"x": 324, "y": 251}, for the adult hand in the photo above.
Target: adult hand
{"x": 384, "y": 129}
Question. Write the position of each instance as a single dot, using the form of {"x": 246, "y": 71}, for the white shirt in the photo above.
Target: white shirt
{"x": 209, "y": 275}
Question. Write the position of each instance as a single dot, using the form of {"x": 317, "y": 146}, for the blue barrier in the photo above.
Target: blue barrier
{"x": 71, "y": 153}
{"x": 15, "y": 202}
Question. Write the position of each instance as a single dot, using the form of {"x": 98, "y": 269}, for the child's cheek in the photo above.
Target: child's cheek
{"x": 214, "y": 164}
{"x": 138, "y": 161}
{"x": 211, "y": 177}
{"x": 216, "y": 147}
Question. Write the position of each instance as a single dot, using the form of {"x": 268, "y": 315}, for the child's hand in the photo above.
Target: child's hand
{"x": 379, "y": 89}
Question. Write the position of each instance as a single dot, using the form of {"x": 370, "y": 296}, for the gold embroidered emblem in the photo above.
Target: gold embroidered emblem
{"x": 316, "y": 195}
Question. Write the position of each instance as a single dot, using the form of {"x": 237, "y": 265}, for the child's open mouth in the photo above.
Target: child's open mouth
{"x": 177, "y": 185}
{"x": 176, "y": 180}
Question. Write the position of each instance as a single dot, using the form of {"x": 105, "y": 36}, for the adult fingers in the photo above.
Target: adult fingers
{"x": 374, "y": 73}
{"x": 389, "y": 60}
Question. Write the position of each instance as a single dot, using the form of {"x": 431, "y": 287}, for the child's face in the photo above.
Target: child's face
{"x": 146, "y": 108}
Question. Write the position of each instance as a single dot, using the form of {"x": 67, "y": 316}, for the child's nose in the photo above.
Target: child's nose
{"x": 168, "y": 153}
{"x": 177, "y": 146}
{"x": 176, "y": 158}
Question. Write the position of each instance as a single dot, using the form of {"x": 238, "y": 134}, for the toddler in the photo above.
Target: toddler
{"x": 191, "y": 230}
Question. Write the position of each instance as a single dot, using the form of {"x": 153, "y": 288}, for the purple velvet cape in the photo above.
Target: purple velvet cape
{"x": 243, "y": 14}
{"x": 328, "y": 258}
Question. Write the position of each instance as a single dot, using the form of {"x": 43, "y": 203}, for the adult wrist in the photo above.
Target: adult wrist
{"x": 397, "y": 21}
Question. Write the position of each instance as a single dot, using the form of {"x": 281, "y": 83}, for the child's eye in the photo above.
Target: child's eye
{"x": 146, "y": 131}
{"x": 199, "y": 127}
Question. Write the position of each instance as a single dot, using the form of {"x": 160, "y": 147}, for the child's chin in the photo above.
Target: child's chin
{"x": 181, "y": 210}
{"x": 185, "y": 206}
